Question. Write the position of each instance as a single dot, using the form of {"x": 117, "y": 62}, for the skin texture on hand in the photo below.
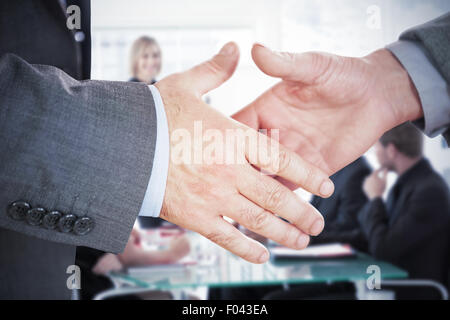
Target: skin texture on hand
{"x": 375, "y": 184}
{"x": 331, "y": 109}
{"x": 199, "y": 195}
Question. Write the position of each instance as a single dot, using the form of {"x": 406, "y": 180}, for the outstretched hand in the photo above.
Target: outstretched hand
{"x": 331, "y": 109}
{"x": 206, "y": 184}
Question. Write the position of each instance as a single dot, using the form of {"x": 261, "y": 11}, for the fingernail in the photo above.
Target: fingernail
{"x": 259, "y": 44}
{"x": 327, "y": 188}
{"x": 264, "y": 257}
{"x": 228, "y": 49}
{"x": 317, "y": 227}
{"x": 303, "y": 241}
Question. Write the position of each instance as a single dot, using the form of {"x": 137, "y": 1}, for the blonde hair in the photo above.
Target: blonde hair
{"x": 138, "y": 47}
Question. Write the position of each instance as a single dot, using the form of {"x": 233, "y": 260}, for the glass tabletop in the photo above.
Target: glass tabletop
{"x": 212, "y": 266}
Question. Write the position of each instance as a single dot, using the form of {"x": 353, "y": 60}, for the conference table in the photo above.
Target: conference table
{"x": 211, "y": 266}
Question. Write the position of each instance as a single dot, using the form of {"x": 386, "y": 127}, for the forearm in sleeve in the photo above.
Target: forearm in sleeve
{"x": 424, "y": 51}
{"x": 433, "y": 90}
{"x": 82, "y": 148}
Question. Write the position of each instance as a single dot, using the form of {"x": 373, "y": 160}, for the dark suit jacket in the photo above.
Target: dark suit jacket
{"x": 412, "y": 229}
{"x": 80, "y": 147}
{"x": 341, "y": 209}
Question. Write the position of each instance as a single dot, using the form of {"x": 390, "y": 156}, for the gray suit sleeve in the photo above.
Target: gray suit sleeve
{"x": 433, "y": 90}
{"x": 424, "y": 51}
{"x": 80, "y": 147}
{"x": 435, "y": 37}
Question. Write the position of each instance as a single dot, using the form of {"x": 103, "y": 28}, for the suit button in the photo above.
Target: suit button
{"x": 50, "y": 220}
{"x": 18, "y": 209}
{"x": 83, "y": 226}
{"x": 65, "y": 224}
{"x": 79, "y": 36}
{"x": 34, "y": 216}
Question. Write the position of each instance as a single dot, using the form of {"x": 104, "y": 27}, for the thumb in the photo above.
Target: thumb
{"x": 211, "y": 74}
{"x": 304, "y": 67}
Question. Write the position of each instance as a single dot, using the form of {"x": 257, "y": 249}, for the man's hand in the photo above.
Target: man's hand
{"x": 331, "y": 109}
{"x": 200, "y": 192}
{"x": 375, "y": 184}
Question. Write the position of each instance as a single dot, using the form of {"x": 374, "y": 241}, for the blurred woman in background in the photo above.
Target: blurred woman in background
{"x": 145, "y": 65}
{"x": 145, "y": 60}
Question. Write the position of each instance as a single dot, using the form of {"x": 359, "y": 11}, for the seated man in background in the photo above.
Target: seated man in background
{"x": 95, "y": 264}
{"x": 412, "y": 228}
{"x": 341, "y": 209}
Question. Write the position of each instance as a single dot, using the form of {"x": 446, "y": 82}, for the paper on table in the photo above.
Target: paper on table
{"x": 315, "y": 251}
{"x": 162, "y": 268}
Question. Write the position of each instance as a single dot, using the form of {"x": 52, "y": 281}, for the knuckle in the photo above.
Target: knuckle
{"x": 329, "y": 65}
{"x": 246, "y": 214}
{"x": 275, "y": 197}
{"x": 282, "y": 162}
{"x": 215, "y": 68}
{"x": 260, "y": 219}
{"x": 257, "y": 220}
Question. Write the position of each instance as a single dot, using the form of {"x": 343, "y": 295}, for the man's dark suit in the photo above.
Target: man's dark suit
{"x": 341, "y": 209}
{"x": 412, "y": 229}
{"x": 83, "y": 148}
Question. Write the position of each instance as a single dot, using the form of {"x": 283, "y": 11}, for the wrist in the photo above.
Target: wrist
{"x": 397, "y": 88}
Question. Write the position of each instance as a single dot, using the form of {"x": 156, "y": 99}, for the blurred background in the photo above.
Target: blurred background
{"x": 192, "y": 31}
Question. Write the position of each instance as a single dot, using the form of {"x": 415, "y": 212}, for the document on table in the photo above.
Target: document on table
{"x": 162, "y": 268}
{"x": 325, "y": 251}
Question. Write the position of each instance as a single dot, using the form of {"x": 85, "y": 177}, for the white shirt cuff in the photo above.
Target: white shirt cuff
{"x": 154, "y": 195}
{"x": 434, "y": 92}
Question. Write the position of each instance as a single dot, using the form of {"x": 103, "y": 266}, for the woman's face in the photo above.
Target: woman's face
{"x": 149, "y": 64}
